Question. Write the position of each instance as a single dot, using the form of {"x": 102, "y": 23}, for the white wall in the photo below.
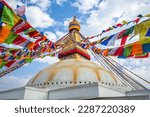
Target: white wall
{"x": 78, "y": 92}
{"x": 13, "y": 94}
{"x": 105, "y": 91}
{"x": 35, "y": 94}
{"x": 139, "y": 93}
{"x": 86, "y": 92}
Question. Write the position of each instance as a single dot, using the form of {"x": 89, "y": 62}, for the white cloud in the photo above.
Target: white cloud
{"x": 9, "y": 82}
{"x": 60, "y": 34}
{"x": 60, "y": 2}
{"x": 67, "y": 21}
{"x": 51, "y": 36}
{"x": 39, "y": 19}
{"x": 55, "y": 36}
{"x": 85, "y": 5}
{"x": 140, "y": 67}
{"x": 47, "y": 59}
{"x": 43, "y": 4}
{"x": 14, "y": 3}
{"x": 103, "y": 17}
{"x": 36, "y": 14}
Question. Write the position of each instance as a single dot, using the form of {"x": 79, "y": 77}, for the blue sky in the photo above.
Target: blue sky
{"x": 53, "y": 16}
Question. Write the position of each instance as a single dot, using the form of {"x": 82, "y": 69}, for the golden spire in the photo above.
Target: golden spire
{"x": 74, "y": 24}
{"x": 71, "y": 50}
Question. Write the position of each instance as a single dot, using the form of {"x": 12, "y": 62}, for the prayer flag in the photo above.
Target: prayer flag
{"x": 105, "y": 52}
{"x": 2, "y": 64}
{"x": 143, "y": 30}
{"x": 9, "y": 64}
{"x": 4, "y": 33}
{"x": 137, "y": 48}
{"x": 119, "y": 51}
{"x": 33, "y": 33}
{"x": 21, "y": 26}
{"x": 121, "y": 34}
{"x": 146, "y": 47}
{"x": 108, "y": 41}
{"x": 137, "y": 20}
{"x": 1, "y": 9}
{"x": 9, "y": 17}
{"x": 6, "y": 4}
{"x": 119, "y": 25}
{"x": 30, "y": 45}
{"x": 12, "y": 36}
{"x": 29, "y": 60}
{"x": 20, "y": 10}
{"x": 143, "y": 55}
{"x": 28, "y": 31}
{"x": 148, "y": 33}
{"x": 112, "y": 51}
{"x": 123, "y": 40}
{"x": 124, "y": 22}
{"x": 127, "y": 51}
{"x": 19, "y": 40}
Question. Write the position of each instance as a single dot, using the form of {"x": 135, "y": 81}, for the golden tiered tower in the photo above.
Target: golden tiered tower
{"x": 70, "y": 49}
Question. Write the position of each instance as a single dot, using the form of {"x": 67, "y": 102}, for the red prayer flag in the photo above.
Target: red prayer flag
{"x": 107, "y": 30}
{"x": 124, "y": 39}
{"x": 19, "y": 40}
{"x": 137, "y": 20}
{"x": 121, "y": 34}
{"x": 21, "y": 26}
{"x": 119, "y": 25}
{"x": 34, "y": 34}
{"x": 119, "y": 51}
{"x": 13, "y": 52}
{"x": 9, "y": 64}
{"x": 38, "y": 40}
{"x": 2, "y": 48}
{"x": 35, "y": 47}
{"x": 43, "y": 49}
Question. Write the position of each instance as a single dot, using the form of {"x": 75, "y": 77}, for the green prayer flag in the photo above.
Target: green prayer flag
{"x": 128, "y": 31}
{"x": 8, "y": 16}
{"x": 127, "y": 51}
{"x": 11, "y": 37}
{"x": 3, "y": 64}
{"x": 18, "y": 57}
{"x": 29, "y": 60}
{"x": 29, "y": 30}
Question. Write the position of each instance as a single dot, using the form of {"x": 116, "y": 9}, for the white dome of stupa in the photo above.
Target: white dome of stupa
{"x": 73, "y": 72}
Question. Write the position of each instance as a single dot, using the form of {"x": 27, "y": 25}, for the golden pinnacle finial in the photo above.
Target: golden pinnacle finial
{"x": 74, "y": 24}
{"x": 74, "y": 18}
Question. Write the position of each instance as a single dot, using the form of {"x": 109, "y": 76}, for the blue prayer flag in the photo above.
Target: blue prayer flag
{"x": 148, "y": 33}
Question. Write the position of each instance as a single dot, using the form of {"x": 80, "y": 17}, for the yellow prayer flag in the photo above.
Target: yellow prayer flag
{"x": 124, "y": 22}
{"x": 142, "y": 29}
{"x": 148, "y": 15}
{"x": 16, "y": 18}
